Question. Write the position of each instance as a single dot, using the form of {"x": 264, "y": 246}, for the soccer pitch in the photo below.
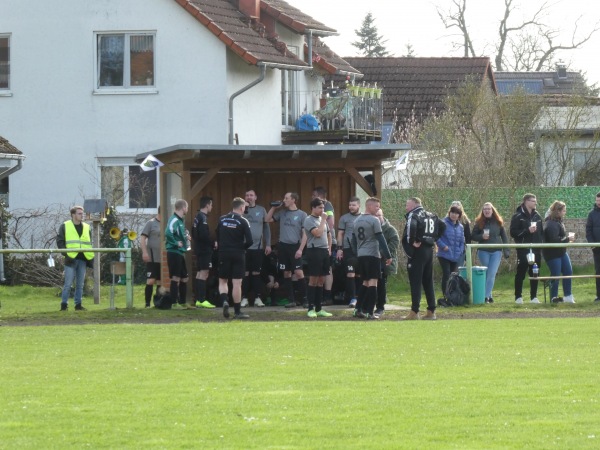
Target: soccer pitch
{"x": 515, "y": 383}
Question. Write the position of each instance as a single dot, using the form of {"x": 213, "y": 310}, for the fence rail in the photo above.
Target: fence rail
{"x": 471, "y": 247}
{"x": 128, "y": 269}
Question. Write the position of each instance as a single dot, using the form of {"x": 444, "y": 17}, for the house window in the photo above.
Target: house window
{"x": 289, "y": 95}
{"x": 125, "y": 61}
{"x": 4, "y": 62}
{"x": 128, "y": 187}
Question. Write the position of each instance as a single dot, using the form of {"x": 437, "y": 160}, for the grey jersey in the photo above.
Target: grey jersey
{"x": 260, "y": 229}
{"x": 152, "y": 232}
{"x": 366, "y": 227}
{"x": 290, "y": 225}
{"x": 310, "y": 223}
{"x": 346, "y": 224}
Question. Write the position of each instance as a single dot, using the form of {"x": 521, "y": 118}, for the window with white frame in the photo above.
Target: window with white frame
{"x": 125, "y": 60}
{"x": 4, "y": 61}
{"x": 128, "y": 187}
{"x": 289, "y": 98}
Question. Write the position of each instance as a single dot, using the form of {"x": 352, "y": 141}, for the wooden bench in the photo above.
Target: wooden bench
{"x": 547, "y": 280}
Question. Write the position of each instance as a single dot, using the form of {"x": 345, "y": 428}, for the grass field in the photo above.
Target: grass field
{"x": 123, "y": 379}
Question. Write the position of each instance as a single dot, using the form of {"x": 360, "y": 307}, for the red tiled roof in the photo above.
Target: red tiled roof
{"x": 294, "y": 18}
{"x": 7, "y": 148}
{"x": 419, "y": 85}
{"x": 234, "y": 29}
{"x": 328, "y": 60}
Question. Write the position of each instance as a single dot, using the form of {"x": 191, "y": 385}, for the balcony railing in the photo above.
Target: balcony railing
{"x": 343, "y": 114}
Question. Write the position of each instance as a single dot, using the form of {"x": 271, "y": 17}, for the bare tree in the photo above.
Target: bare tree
{"x": 523, "y": 44}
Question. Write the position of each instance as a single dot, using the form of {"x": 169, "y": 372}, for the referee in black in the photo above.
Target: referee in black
{"x": 420, "y": 233}
{"x": 234, "y": 237}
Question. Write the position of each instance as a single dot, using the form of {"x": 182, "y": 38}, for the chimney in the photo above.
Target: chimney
{"x": 250, "y": 8}
{"x": 561, "y": 70}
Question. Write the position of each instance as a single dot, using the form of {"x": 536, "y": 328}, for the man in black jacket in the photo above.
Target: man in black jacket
{"x": 526, "y": 227}
{"x": 203, "y": 248}
{"x": 592, "y": 234}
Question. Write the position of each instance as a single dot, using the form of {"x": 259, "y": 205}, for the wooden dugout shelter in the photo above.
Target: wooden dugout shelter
{"x": 227, "y": 171}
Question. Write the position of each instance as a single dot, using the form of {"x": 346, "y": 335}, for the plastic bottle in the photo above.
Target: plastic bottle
{"x": 536, "y": 270}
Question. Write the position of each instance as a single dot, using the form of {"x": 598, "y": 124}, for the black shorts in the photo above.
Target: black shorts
{"x": 176, "y": 264}
{"x": 287, "y": 257}
{"x": 318, "y": 262}
{"x": 204, "y": 261}
{"x": 153, "y": 270}
{"x": 350, "y": 261}
{"x": 231, "y": 265}
{"x": 369, "y": 267}
{"x": 254, "y": 259}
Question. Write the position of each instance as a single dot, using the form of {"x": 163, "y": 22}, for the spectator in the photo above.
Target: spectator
{"x": 466, "y": 223}
{"x": 558, "y": 259}
{"x": 75, "y": 234}
{"x": 392, "y": 239}
{"x": 526, "y": 227}
{"x": 592, "y": 235}
{"x": 489, "y": 229}
{"x": 451, "y": 245}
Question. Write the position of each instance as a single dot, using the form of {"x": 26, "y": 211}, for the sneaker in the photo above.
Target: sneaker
{"x": 378, "y": 313}
{"x": 569, "y": 299}
{"x": 372, "y": 317}
{"x": 359, "y": 314}
{"x": 411, "y": 316}
{"x": 557, "y": 300}
{"x": 486, "y": 300}
{"x": 352, "y": 303}
{"x": 226, "y": 310}
{"x": 258, "y": 302}
{"x": 430, "y": 315}
{"x": 241, "y": 316}
{"x": 80, "y": 307}
{"x": 519, "y": 301}
{"x": 244, "y": 302}
{"x": 204, "y": 304}
{"x": 597, "y": 300}
{"x": 291, "y": 305}
{"x": 187, "y": 306}
{"x": 490, "y": 300}
{"x": 323, "y": 313}
{"x": 64, "y": 307}
{"x": 534, "y": 300}
{"x": 312, "y": 313}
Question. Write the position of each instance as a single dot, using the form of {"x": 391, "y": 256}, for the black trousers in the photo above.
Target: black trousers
{"x": 523, "y": 268}
{"x": 447, "y": 268}
{"x": 420, "y": 275}
{"x": 597, "y": 267}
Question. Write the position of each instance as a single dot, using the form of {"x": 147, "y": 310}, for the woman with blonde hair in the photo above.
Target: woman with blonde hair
{"x": 464, "y": 220}
{"x": 558, "y": 259}
{"x": 489, "y": 229}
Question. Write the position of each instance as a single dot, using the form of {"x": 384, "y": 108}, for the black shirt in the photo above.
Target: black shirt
{"x": 233, "y": 233}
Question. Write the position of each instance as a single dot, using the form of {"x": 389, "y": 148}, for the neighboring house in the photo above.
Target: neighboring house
{"x": 120, "y": 78}
{"x": 558, "y": 82}
{"x": 11, "y": 160}
{"x": 414, "y": 89}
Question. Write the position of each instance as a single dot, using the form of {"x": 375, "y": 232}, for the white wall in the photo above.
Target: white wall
{"x": 61, "y": 126}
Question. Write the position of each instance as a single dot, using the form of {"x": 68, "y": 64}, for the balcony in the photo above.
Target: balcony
{"x": 344, "y": 115}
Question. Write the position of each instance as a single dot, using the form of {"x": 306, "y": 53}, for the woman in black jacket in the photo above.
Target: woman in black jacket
{"x": 558, "y": 259}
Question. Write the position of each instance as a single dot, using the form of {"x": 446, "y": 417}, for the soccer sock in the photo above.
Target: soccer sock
{"x": 182, "y": 292}
{"x": 200, "y": 289}
{"x": 302, "y": 289}
{"x": 318, "y": 298}
{"x": 174, "y": 291}
{"x": 350, "y": 289}
{"x": 360, "y": 298}
{"x": 371, "y": 298}
{"x": 224, "y": 298}
{"x": 327, "y": 295}
{"x": 310, "y": 296}
{"x": 289, "y": 288}
{"x": 237, "y": 308}
{"x": 256, "y": 283}
{"x": 148, "y": 294}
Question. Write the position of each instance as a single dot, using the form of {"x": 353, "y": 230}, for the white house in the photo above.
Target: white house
{"x": 87, "y": 85}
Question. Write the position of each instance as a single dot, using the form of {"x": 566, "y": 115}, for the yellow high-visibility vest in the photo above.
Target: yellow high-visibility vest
{"x": 73, "y": 240}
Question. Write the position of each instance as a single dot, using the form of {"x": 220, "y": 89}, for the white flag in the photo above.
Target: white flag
{"x": 402, "y": 162}
{"x": 150, "y": 163}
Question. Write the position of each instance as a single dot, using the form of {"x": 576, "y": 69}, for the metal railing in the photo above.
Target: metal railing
{"x": 469, "y": 263}
{"x": 128, "y": 267}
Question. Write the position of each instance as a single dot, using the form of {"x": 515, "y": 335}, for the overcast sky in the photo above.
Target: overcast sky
{"x": 416, "y": 22}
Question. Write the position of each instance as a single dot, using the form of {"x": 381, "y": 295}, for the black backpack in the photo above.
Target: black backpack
{"x": 162, "y": 300}
{"x": 457, "y": 290}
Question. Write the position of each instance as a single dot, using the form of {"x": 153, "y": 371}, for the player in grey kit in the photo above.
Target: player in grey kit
{"x": 292, "y": 241}
{"x": 344, "y": 249}
{"x": 369, "y": 245}
{"x": 261, "y": 246}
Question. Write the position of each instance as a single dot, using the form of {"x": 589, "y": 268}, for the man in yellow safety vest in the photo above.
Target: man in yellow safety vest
{"x": 75, "y": 234}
